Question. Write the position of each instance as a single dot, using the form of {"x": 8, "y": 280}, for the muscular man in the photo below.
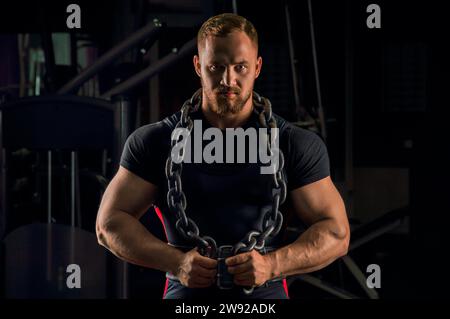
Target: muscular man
{"x": 226, "y": 201}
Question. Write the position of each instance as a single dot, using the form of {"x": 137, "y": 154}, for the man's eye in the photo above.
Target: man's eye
{"x": 241, "y": 68}
{"x": 213, "y": 67}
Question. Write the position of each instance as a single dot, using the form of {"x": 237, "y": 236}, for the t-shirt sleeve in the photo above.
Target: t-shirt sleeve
{"x": 308, "y": 159}
{"x": 141, "y": 154}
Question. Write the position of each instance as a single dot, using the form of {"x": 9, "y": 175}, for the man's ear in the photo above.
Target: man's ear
{"x": 258, "y": 67}
{"x": 197, "y": 67}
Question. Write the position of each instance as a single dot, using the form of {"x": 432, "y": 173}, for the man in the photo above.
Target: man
{"x": 226, "y": 201}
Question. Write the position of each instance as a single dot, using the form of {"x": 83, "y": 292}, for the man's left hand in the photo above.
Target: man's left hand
{"x": 250, "y": 269}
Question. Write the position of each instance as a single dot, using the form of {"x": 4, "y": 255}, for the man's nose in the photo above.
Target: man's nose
{"x": 228, "y": 77}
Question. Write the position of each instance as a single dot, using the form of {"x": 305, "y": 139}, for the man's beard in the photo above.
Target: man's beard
{"x": 223, "y": 105}
{"x": 227, "y": 106}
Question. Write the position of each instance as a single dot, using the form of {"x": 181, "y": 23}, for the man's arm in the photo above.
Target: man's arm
{"x": 118, "y": 227}
{"x": 319, "y": 205}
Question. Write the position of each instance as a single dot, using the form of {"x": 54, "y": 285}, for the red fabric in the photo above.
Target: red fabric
{"x": 165, "y": 287}
{"x": 285, "y": 287}
{"x": 158, "y": 212}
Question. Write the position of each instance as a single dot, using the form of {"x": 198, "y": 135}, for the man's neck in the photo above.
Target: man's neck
{"x": 228, "y": 120}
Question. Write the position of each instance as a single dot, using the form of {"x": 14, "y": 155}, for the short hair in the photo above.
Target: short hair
{"x": 223, "y": 24}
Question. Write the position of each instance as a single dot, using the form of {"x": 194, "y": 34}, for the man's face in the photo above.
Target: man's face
{"x": 228, "y": 67}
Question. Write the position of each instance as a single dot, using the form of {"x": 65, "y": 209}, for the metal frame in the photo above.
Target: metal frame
{"x": 350, "y": 264}
{"x": 150, "y": 30}
{"x": 152, "y": 70}
{"x": 337, "y": 291}
{"x": 320, "y": 111}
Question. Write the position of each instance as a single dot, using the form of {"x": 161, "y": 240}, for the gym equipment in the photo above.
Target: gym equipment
{"x": 360, "y": 235}
{"x": 149, "y": 32}
{"x": 48, "y": 124}
{"x": 38, "y": 259}
{"x": 71, "y": 123}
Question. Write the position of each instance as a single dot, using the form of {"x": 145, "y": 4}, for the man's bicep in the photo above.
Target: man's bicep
{"x": 129, "y": 193}
{"x": 318, "y": 201}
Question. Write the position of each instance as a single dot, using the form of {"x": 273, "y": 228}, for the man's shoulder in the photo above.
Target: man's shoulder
{"x": 296, "y": 136}
{"x": 288, "y": 128}
{"x": 158, "y": 129}
{"x": 172, "y": 120}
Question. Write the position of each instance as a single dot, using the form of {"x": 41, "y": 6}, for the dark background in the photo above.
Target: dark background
{"x": 384, "y": 96}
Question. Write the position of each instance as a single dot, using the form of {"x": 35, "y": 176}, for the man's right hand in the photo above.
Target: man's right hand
{"x": 196, "y": 271}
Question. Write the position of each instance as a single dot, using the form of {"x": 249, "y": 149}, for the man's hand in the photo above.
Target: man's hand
{"x": 196, "y": 271}
{"x": 250, "y": 269}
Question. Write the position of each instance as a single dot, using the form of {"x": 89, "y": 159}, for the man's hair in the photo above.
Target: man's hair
{"x": 223, "y": 24}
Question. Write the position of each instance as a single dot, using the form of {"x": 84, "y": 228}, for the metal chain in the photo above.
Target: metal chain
{"x": 273, "y": 219}
{"x": 176, "y": 199}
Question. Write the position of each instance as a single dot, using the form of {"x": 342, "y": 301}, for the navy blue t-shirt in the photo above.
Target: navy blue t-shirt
{"x": 227, "y": 200}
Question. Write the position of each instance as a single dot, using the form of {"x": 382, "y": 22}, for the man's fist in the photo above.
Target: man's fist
{"x": 250, "y": 269}
{"x": 196, "y": 271}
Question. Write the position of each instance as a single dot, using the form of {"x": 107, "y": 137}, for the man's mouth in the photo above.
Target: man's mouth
{"x": 228, "y": 93}
{"x": 228, "y": 96}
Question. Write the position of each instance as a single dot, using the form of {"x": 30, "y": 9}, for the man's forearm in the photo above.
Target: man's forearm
{"x": 129, "y": 240}
{"x": 316, "y": 248}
